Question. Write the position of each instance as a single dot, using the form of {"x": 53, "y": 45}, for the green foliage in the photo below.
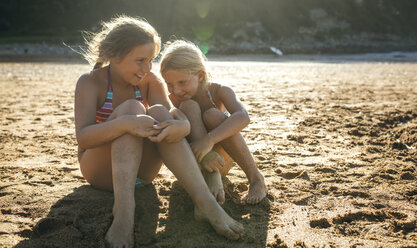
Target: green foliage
{"x": 208, "y": 19}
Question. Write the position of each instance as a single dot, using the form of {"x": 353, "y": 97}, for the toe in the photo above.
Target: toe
{"x": 244, "y": 200}
{"x": 221, "y": 198}
{"x": 252, "y": 200}
{"x": 237, "y": 228}
{"x": 230, "y": 234}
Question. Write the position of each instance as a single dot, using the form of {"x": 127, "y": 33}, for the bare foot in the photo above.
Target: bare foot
{"x": 120, "y": 233}
{"x": 222, "y": 223}
{"x": 257, "y": 192}
{"x": 215, "y": 185}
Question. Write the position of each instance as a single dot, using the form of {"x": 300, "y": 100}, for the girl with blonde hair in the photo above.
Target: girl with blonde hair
{"x": 216, "y": 117}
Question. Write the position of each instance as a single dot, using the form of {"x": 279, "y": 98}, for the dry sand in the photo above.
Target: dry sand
{"x": 336, "y": 142}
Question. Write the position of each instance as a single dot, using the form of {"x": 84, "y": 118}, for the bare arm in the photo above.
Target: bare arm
{"x": 178, "y": 114}
{"x": 156, "y": 91}
{"x": 238, "y": 119}
{"x": 88, "y": 133}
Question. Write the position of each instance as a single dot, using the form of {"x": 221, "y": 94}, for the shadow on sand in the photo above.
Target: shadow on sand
{"x": 82, "y": 218}
{"x": 181, "y": 224}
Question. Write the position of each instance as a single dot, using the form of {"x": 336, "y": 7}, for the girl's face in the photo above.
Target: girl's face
{"x": 137, "y": 63}
{"x": 182, "y": 84}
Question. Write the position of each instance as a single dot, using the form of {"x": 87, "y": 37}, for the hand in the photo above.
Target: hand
{"x": 212, "y": 162}
{"x": 171, "y": 131}
{"x": 141, "y": 125}
{"x": 201, "y": 147}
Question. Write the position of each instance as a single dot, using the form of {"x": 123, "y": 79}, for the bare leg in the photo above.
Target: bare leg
{"x": 179, "y": 158}
{"x": 114, "y": 167}
{"x": 237, "y": 148}
{"x": 214, "y": 181}
{"x": 104, "y": 167}
{"x": 126, "y": 155}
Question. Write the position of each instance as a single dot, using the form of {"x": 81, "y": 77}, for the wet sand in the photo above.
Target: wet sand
{"x": 335, "y": 139}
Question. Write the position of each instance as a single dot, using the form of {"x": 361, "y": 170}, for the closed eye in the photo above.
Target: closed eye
{"x": 142, "y": 60}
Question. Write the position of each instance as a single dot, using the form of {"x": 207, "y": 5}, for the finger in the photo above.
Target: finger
{"x": 158, "y": 138}
{"x": 200, "y": 158}
{"x": 218, "y": 165}
{"x": 203, "y": 154}
{"x": 222, "y": 162}
{"x": 152, "y": 133}
{"x": 161, "y": 125}
{"x": 153, "y": 139}
{"x": 194, "y": 152}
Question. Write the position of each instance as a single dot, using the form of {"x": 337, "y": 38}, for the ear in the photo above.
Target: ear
{"x": 201, "y": 74}
{"x": 116, "y": 60}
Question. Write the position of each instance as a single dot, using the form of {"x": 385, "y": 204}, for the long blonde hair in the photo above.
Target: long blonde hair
{"x": 184, "y": 56}
{"x": 117, "y": 38}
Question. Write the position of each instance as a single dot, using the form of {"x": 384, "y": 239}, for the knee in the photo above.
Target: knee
{"x": 213, "y": 117}
{"x": 189, "y": 107}
{"x": 159, "y": 112}
{"x": 130, "y": 107}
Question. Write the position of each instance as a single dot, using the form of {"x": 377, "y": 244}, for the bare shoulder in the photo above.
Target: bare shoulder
{"x": 87, "y": 80}
{"x": 84, "y": 79}
{"x": 220, "y": 91}
{"x": 153, "y": 80}
{"x": 92, "y": 82}
{"x": 156, "y": 91}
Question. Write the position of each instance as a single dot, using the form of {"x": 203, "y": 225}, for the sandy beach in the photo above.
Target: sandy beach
{"x": 335, "y": 138}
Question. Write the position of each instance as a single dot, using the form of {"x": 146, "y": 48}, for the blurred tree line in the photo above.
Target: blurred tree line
{"x": 213, "y": 19}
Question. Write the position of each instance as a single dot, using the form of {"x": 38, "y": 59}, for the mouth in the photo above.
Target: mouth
{"x": 139, "y": 76}
{"x": 183, "y": 97}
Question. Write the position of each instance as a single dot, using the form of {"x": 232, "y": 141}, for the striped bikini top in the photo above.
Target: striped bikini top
{"x": 107, "y": 109}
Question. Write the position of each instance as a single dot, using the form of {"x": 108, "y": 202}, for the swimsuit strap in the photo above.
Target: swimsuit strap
{"x": 109, "y": 86}
{"x": 138, "y": 95}
{"x": 211, "y": 98}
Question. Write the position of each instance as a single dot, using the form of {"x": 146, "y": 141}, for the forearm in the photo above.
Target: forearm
{"x": 178, "y": 114}
{"x": 98, "y": 134}
{"x": 231, "y": 126}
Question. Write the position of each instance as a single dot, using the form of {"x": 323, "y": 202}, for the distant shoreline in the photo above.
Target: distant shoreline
{"x": 394, "y": 56}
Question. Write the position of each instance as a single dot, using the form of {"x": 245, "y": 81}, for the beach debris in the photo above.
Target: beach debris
{"x": 276, "y": 51}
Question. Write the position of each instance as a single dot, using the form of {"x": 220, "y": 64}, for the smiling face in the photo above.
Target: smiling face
{"x": 183, "y": 85}
{"x": 137, "y": 63}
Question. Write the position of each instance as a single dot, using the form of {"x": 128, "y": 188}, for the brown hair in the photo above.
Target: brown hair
{"x": 117, "y": 38}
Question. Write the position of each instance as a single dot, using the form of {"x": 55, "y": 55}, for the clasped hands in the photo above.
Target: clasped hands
{"x": 169, "y": 130}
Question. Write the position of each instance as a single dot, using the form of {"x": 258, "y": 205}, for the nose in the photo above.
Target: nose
{"x": 147, "y": 67}
{"x": 177, "y": 91}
